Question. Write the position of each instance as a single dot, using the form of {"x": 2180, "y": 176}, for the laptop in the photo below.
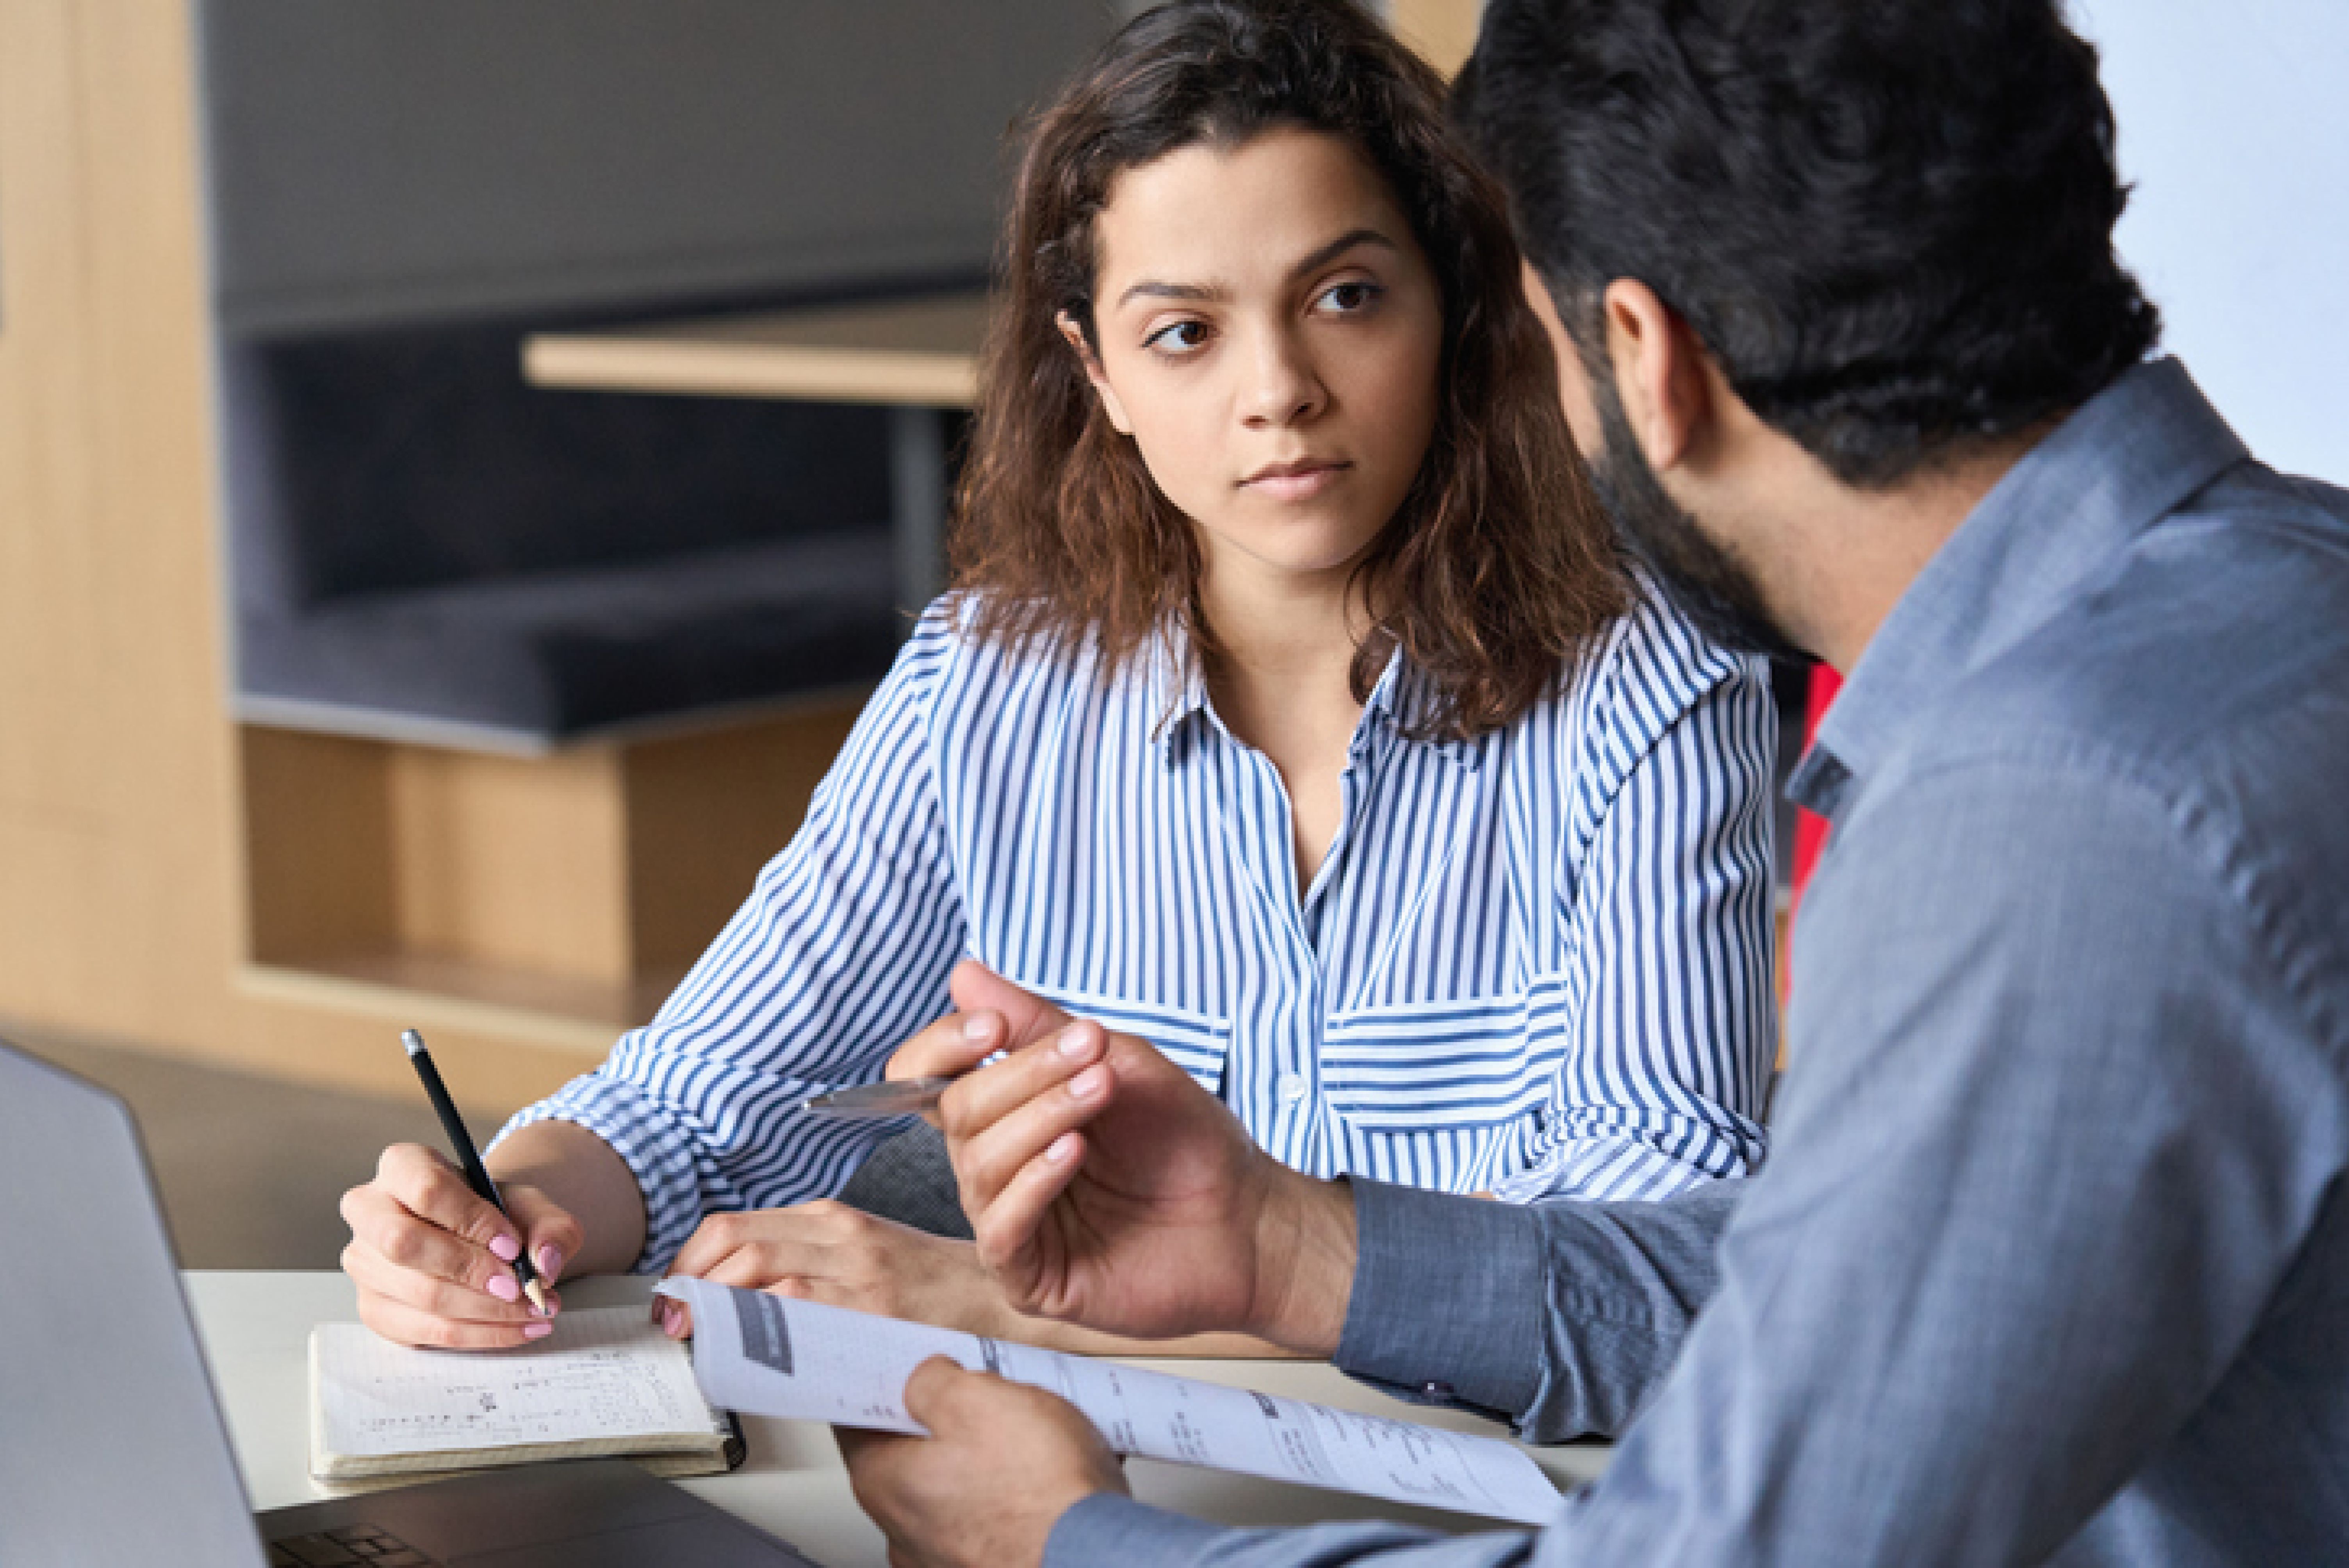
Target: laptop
{"x": 112, "y": 1447}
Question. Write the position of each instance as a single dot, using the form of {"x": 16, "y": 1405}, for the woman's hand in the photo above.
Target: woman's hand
{"x": 830, "y": 1252}
{"x": 434, "y": 1263}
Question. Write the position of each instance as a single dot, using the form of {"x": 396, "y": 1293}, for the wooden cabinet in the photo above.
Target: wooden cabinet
{"x": 254, "y": 897}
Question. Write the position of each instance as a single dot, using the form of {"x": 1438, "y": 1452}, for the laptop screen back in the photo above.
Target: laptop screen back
{"x": 113, "y": 1449}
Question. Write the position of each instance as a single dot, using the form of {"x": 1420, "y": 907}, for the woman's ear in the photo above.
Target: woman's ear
{"x": 1094, "y": 372}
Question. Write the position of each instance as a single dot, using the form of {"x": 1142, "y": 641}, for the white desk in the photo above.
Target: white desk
{"x": 256, "y": 1327}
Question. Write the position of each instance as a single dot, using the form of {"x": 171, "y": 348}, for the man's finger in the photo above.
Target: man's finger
{"x": 986, "y": 1160}
{"x": 930, "y": 1394}
{"x": 985, "y": 1097}
{"x": 976, "y": 988}
{"x": 1006, "y": 1228}
{"x": 949, "y": 1047}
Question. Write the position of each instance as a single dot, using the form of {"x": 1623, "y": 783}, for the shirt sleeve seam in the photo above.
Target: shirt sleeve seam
{"x": 2216, "y": 856}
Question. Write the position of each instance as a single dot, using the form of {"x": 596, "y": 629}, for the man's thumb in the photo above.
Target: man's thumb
{"x": 929, "y": 1393}
{"x": 977, "y": 988}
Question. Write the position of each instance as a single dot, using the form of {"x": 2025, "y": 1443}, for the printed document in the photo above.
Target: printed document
{"x": 768, "y": 1356}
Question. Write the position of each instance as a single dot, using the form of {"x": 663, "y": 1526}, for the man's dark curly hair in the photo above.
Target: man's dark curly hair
{"x": 1889, "y": 221}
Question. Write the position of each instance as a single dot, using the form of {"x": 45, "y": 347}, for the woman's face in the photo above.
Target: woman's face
{"x": 1270, "y": 337}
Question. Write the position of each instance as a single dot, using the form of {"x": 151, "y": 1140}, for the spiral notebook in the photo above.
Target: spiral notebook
{"x": 606, "y": 1383}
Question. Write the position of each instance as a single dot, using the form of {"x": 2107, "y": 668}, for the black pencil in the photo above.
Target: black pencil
{"x": 477, "y": 1175}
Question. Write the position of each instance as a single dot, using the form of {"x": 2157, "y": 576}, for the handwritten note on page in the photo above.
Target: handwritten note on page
{"x": 606, "y": 1378}
{"x": 773, "y": 1357}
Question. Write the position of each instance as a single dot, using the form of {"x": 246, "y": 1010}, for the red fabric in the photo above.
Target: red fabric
{"x": 1811, "y": 829}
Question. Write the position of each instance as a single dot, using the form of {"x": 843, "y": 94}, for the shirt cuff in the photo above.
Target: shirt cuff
{"x": 660, "y": 1156}
{"x": 1447, "y": 1300}
{"x": 1107, "y": 1528}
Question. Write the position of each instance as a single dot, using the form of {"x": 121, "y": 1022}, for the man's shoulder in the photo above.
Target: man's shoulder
{"x": 2207, "y": 662}
{"x": 2193, "y": 700}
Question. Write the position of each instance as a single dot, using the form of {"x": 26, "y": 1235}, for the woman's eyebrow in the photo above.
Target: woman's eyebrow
{"x": 1339, "y": 247}
{"x": 1152, "y": 288}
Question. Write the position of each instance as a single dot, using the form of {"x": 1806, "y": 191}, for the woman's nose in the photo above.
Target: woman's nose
{"x": 1283, "y": 385}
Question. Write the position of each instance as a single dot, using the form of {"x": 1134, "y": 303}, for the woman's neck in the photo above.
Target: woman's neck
{"x": 1284, "y": 646}
{"x": 1281, "y": 678}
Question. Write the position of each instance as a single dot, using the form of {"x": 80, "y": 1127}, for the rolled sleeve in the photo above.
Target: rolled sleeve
{"x": 656, "y": 1148}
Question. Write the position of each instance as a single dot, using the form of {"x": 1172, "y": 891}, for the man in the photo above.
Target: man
{"x": 2051, "y": 1262}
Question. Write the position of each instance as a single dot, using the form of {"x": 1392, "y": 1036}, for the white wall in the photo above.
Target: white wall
{"x": 2234, "y": 127}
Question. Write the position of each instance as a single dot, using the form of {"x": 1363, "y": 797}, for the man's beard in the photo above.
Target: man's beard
{"x": 1706, "y": 583}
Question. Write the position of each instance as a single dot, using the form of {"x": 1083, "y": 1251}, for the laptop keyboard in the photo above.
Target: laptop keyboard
{"x": 352, "y": 1544}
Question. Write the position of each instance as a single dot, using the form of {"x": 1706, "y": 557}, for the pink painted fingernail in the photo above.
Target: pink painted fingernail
{"x": 505, "y": 1248}
{"x": 503, "y": 1288}
{"x": 550, "y": 1260}
{"x": 536, "y": 1330}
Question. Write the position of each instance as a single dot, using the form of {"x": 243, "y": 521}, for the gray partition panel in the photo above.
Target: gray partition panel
{"x": 385, "y": 162}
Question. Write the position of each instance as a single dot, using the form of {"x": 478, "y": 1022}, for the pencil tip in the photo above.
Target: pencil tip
{"x": 413, "y": 1041}
{"x": 537, "y": 1294}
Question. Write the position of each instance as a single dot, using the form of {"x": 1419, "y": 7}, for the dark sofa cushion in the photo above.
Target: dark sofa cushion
{"x": 548, "y": 656}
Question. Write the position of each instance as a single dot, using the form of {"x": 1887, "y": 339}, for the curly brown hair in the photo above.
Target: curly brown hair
{"x": 1498, "y": 569}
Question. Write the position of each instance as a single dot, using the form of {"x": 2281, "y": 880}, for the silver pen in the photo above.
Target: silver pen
{"x": 894, "y": 1096}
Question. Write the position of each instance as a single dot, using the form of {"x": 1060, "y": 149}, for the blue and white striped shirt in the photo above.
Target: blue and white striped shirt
{"x": 1535, "y": 963}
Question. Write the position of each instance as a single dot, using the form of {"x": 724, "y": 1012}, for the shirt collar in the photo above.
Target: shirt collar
{"x": 2125, "y": 458}
{"x": 1174, "y": 690}
{"x": 1175, "y": 695}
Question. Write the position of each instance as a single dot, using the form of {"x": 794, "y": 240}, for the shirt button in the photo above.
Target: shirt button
{"x": 1292, "y": 1088}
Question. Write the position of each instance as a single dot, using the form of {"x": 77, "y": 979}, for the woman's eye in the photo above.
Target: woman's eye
{"x": 1350, "y": 298}
{"x": 1178, "y": 339}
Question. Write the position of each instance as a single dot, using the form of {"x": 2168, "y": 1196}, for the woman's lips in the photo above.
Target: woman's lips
{"x": 1296, "y": 481}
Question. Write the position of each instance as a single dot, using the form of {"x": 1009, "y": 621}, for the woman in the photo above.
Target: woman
{"x": 1290, "y": 711}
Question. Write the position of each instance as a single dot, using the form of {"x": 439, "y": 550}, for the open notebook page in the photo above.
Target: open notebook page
{"x": 606, "y": 1377}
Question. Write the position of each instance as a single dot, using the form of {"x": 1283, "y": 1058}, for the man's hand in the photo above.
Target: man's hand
{"x": 1001, "y": 1464}
{"x": 1107, "y": 1189}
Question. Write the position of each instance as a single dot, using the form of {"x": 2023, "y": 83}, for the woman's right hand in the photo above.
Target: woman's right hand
{"x": 434, "y": 1264}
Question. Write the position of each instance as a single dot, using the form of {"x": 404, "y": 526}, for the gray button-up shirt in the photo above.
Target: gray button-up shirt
{"x": 2051, "y": 1261}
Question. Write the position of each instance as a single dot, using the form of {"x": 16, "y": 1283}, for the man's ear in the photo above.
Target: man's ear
{"x": 1093, "y": 373}
{"x": 1659, "y": 373}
